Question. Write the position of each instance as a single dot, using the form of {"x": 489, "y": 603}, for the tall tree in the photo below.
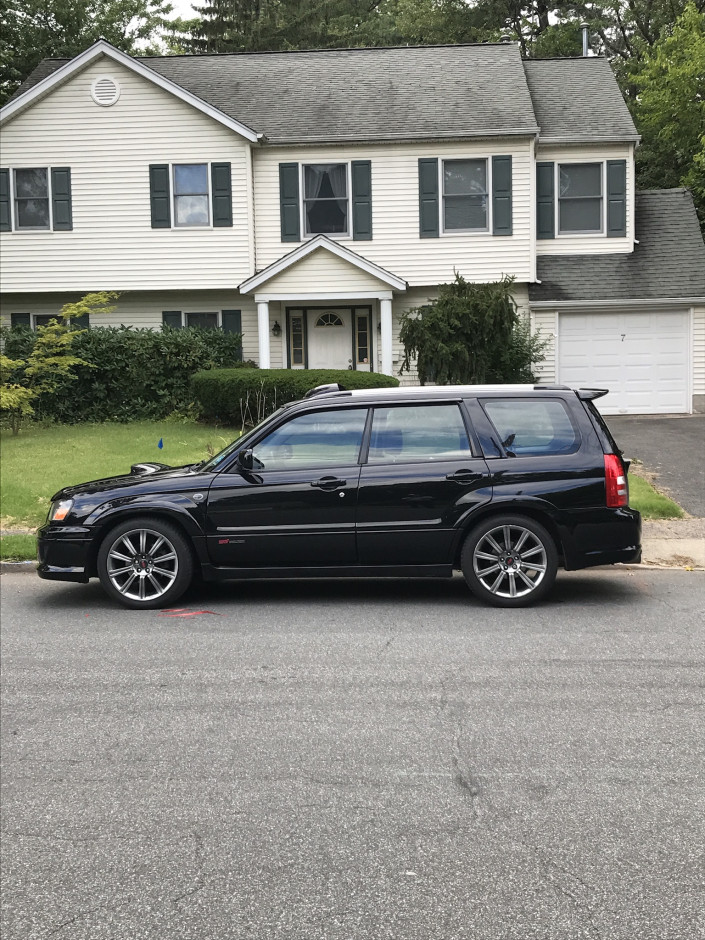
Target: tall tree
{"x": 38, "y": 29}
{"x": 669, "y": 109}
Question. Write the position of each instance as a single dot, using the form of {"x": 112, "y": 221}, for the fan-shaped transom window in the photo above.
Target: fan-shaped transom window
{"x": 329, "y": 319}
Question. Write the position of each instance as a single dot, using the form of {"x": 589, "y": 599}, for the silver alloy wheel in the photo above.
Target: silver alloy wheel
{"x": 510, "y": 561}
{"x": 142, "y": 564}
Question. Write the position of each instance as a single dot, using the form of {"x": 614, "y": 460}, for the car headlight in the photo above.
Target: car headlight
{"x": 60, "y": 510}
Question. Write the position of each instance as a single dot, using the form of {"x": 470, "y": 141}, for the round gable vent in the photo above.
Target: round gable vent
{"x": 105, "y": 91}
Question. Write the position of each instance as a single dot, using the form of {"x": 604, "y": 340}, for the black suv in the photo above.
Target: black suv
{"x": 504, "y": 482}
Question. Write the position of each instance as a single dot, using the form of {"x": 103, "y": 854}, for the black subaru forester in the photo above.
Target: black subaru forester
{"x": 505, "y": 483}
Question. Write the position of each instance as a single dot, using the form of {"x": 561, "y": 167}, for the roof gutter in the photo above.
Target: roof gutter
{"x": 626, "y": 302}
{"x": 562, "y": 139}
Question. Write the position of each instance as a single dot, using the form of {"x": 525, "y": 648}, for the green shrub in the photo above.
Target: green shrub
{"x": 243, "y": 398}
{"x": 131, "y": 374}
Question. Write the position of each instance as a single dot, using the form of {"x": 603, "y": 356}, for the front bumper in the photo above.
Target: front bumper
{"x": 64, "y": 553}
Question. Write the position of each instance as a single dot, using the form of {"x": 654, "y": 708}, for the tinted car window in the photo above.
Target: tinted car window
{"x": 317, "y": 439}
{"x": 532, "y": 428}
{"x": 421, "y": 432}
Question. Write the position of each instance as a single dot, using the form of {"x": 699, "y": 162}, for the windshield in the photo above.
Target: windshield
{"x": 214, "y": 462}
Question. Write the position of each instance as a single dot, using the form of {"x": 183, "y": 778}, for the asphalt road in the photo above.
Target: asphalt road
{"x": 672, "y": 447}
{"x": 341, "y": 761}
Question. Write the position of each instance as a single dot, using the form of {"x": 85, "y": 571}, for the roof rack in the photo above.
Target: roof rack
{"x": 325, "y": 390}
{"x": 552, "y": 388}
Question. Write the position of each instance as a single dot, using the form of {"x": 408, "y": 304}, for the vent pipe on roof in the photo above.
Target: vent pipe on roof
{"x": 505, "y": 37}
{"x": 585, "y": 27}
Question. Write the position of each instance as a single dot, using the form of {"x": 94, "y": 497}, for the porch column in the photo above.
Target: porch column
{"x": 385, "y": 316}
{"x": 263, "y": 333}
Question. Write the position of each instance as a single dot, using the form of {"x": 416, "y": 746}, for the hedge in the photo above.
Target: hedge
{"x": 133, "y": 373}
{"x": 242, "y": 397}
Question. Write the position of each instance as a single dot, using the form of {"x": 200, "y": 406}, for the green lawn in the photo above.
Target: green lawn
{"x": 41, "y": 460}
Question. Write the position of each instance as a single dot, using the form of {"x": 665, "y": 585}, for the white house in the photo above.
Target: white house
{"x": 307, "y": 199}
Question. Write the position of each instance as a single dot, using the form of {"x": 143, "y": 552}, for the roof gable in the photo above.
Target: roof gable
{"x": 66, "y": 70}
{"x": 319, "y": 243}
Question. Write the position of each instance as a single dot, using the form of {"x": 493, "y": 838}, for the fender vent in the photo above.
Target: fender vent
{"x": 105, "y": 91}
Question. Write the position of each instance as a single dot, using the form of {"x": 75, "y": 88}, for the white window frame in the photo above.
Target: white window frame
{"x": 441, "y": 180}
{"x": 209, "y": 184}
{"x": 13, "y": 202}
{"x": 581, "y": 233}
{"x": 302, "y": 200}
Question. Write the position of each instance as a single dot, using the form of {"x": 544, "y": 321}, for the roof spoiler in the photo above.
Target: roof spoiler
{"x": 325, "y": 390}
{"x": 590, "y": 394}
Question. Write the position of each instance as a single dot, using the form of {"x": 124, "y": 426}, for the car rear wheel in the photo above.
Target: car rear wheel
{"x": 145, "y": 563}
{"x": 509, "y": 561}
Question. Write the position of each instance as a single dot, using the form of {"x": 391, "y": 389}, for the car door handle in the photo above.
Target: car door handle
{"x": 464, "y": 477}
{"x": 329, "y": 483}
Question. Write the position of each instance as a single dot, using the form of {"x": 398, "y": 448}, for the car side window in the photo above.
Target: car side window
{"x": 532, "y": 428}
{"x": 418, "y": 433}
{"x": 317, "y": 439}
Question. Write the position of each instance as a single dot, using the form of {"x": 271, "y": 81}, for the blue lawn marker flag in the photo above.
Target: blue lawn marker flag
{"x": 161, "y": 443}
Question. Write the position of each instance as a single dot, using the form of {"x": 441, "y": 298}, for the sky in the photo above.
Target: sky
{"x": 183, "y": 9}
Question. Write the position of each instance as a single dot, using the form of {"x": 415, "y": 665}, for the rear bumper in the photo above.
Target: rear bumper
{"x": 64, "y": 553}
{"x": 601, "y": 537}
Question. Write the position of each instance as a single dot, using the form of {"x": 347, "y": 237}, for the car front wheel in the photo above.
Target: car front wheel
{"x": 145, "y": 563}
{"x": 509, "y": 561}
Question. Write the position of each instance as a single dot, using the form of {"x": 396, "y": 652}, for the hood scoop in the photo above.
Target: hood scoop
{"x": 142, "y": 468}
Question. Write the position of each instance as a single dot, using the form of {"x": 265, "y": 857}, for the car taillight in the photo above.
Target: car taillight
{"x": 616, "y": 482}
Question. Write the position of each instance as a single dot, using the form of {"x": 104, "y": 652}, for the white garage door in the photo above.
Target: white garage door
{"x": 642, "y": 358}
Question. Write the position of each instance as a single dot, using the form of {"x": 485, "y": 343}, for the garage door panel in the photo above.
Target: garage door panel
{"x": 641, "y": 357}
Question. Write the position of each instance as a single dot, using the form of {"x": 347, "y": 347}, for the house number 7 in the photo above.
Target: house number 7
{"x": 623, "y": 335}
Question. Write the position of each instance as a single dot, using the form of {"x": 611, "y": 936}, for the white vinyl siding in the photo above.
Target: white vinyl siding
{"x": 546, "y": 322}
{"x": 396, "y": 245}
{"x": 699, "y": 351}
{"x": 587, "y": 243}
{"x": 112, "y": 245}
{"x": 321, "y": 272}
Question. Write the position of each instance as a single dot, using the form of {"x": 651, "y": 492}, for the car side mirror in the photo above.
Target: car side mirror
{"x": 244, "y": 459}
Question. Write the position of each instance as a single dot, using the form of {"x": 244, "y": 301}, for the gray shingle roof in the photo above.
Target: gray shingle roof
{"x": 668, "y": 262}
{"x": 400, "y": 93}
{"x": 578, "y": 99}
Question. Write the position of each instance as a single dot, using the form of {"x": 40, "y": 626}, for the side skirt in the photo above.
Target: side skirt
{"x": 214, "y": 573}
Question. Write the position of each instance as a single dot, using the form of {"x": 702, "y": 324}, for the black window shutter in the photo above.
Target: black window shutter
{"x": 362, "y": 199}
{"x": 501, "y": 195}
{"x": 545, "y": 201}
{"x": 289, "y": 201}
{"x": 428, "y": 198}
{"x": 160, "y": 195}
{"x": 616, "y": 198}
{"x": 222, "y": 195}
{"x": 232, "y": 323}
{"x": 5, "y": 215}
{"x": 171, "y": 319}
{"x": 61, "y": 198}
{"x": 21, "y": 319}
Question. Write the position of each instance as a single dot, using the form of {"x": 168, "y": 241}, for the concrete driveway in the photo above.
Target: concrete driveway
{"x": 672, "y": 447}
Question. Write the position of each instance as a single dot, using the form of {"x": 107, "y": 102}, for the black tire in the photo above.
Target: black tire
{"x": 145, "y": 563}
{"x": 509, "y": 561}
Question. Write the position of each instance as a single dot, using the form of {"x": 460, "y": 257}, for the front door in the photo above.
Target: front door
{"x": 330, "y": 339}
{"x": 296, "y": 508}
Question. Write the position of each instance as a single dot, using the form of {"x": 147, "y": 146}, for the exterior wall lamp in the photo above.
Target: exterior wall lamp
{"x": 276, "y": 329}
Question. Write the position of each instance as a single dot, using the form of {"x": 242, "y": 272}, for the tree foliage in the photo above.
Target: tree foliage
{"x": 669, "y": 109}
{"x": 471, "y": 334}
{"x": 37, "y": 29}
